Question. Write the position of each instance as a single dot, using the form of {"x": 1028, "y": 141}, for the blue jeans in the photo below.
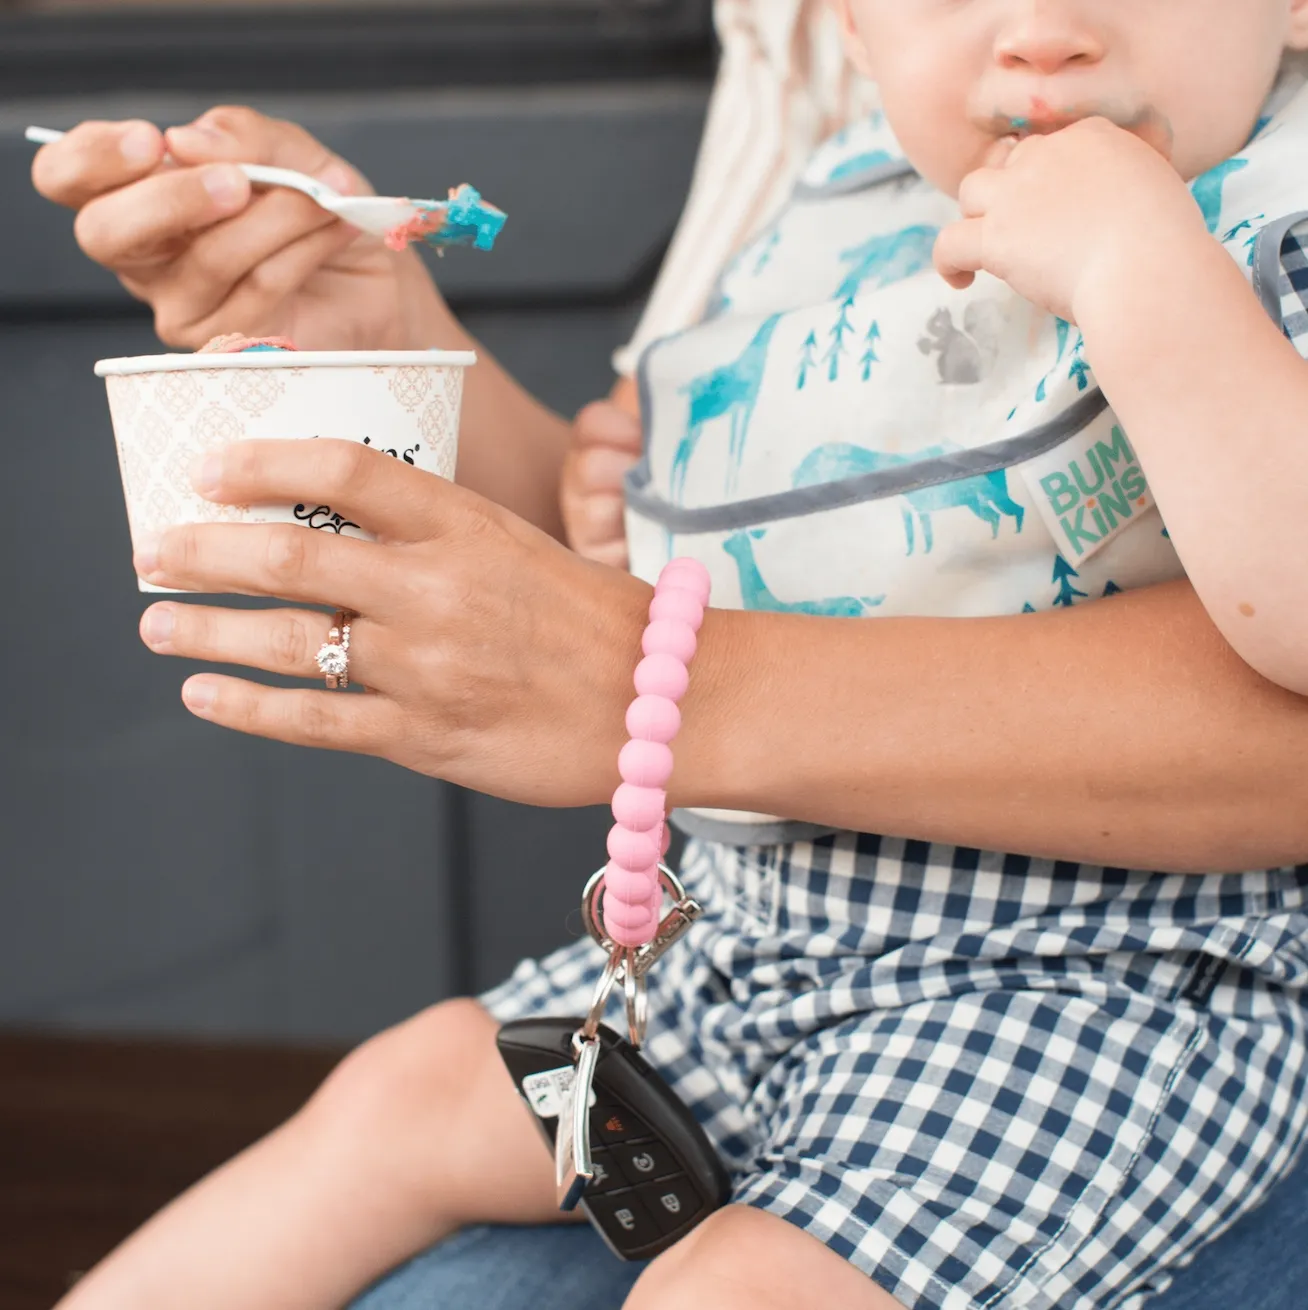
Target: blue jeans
{"x": 1260, "y": 1264}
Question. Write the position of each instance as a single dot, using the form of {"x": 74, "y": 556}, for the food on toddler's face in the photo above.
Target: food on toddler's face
{"x": 236, "y": 343}
{"x": 465, "y": 220}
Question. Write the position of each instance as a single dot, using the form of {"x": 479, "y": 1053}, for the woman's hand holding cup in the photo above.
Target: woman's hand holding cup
{"x": 493, "y": 656}
{"x": 180, "y": 226}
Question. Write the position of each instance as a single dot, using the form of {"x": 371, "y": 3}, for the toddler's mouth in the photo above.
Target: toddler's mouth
{"x": 1024, "y": 127}
{"x": 1041, "y": 119}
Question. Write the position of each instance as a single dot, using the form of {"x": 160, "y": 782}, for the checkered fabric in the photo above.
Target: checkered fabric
{"x": 988, "y": 1081}
{"x": 1294, "y": 286}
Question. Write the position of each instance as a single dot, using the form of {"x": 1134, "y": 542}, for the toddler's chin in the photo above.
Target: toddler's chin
{"x": 946, "y": 172}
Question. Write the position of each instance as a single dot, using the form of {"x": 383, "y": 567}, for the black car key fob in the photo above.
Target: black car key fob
{"x": 656, "y": 1173}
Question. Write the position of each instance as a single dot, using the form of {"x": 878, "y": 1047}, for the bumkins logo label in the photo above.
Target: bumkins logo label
{"x": 1089, "y": 489}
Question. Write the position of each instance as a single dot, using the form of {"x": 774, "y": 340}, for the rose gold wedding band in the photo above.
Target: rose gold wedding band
{"x": 333, "y": 658}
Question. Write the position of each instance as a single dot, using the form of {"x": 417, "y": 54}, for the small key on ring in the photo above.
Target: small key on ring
{"x": 573, "y": 1167}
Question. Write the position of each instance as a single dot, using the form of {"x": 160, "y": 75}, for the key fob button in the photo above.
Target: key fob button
{"x": 607, "y": 1176}
{"x": 615, "y": 1123}
{"x": 672, "y": 1201}
{"x": 624, "y": 1219}
{"x": 641, "y": 1161}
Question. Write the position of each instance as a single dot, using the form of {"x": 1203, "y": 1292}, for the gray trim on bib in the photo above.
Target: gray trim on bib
{"x": 1267, "y": 264}
{"x": 847, "y": 186}
{"x": 780, "y": 833}
{"x": 897, "y": 481}
{"x": 717, "y": 301}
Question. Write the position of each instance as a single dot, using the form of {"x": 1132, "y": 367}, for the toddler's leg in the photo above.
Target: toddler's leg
{"x": 740, "y": 1258}
{"x": 415, "y": 1134}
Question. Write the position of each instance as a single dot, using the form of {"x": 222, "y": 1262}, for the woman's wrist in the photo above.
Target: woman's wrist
{"x": 639, "y": 837}
{"x": 728, "y": 699}
{"x": 710, "y": 711}
{"x": 511, "y": 446}
{"x": 424, "y": 320}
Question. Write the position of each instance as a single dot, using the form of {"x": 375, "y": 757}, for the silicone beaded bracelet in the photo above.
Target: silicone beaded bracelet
{"x": 639, "y": 837}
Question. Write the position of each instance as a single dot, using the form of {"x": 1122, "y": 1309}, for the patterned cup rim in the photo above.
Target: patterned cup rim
{"x": 287, "y": 359}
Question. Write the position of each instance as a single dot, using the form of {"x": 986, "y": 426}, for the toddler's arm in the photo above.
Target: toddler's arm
{"x": 1215, "y": 399}
{"x": 606, "y": 443}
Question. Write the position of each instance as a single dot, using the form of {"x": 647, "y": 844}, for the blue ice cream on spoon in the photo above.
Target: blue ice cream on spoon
{"x": 464, "y": 220}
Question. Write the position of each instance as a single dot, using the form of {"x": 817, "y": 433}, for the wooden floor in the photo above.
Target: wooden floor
{"x": 96, "y": 1136}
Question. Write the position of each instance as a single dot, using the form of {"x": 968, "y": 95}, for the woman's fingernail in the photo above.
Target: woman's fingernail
{"x": 157, "y": 626}
{"x": 199, "y": 696}
{"x": 999, "y": 151}
{"x": 225, "y": 183}
{"x": 188, "y": 142}
{"x": 205, "y": 129}
{"x": 139, "y": 145}
{"x": 207, "y": 474}
{"x": 147, "y": 553}
{"x": 339, "y": 177}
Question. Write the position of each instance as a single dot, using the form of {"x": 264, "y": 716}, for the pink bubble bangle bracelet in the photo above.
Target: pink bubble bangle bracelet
{"x": 639, "y": 838}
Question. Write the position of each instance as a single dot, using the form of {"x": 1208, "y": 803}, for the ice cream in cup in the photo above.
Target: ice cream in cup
{"x": 168, "y": 410}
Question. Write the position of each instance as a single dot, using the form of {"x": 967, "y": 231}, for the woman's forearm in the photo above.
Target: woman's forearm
{"x": 511, "y": 447}
{"x": 1124, "y": 733}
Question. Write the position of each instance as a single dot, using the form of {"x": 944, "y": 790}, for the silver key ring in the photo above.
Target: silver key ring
{"x": 590, "y": 1029}
{"x": 637, "y": 998}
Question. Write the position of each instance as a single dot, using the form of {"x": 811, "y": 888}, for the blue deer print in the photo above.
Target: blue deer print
{"x": 889, "y": 257}
{"x": 757, "y": 595}
{"x": 985, "y": 495}
{"x": 728, "y": 392}
{"x": 1207, "y": 190}
{"x": 1248, "y": 225}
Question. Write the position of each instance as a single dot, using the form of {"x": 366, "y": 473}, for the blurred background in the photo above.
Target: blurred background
{"x": 194, "y": 924}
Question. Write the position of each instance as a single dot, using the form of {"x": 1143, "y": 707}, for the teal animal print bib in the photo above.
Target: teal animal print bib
{"x": 845, "y": 435}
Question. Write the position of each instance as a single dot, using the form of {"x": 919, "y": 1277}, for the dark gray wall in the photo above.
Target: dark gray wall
{"x": 157, "y": 873}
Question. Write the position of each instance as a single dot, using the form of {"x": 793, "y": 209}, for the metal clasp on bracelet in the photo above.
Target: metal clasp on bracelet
{"x": 685, "y": 910}
{"x": 631, "y": 964}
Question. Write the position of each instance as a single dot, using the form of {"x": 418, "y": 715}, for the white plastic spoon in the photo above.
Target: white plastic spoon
{"x": 381, "y": 215}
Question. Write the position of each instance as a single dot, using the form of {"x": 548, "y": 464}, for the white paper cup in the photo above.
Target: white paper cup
{"x": 169, "y": 409}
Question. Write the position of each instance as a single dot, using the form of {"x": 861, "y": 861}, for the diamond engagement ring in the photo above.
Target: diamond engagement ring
{"x": 333, "y": 656}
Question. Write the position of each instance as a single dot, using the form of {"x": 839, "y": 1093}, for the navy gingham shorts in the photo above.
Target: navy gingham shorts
{"x": 987, "y": 1081}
